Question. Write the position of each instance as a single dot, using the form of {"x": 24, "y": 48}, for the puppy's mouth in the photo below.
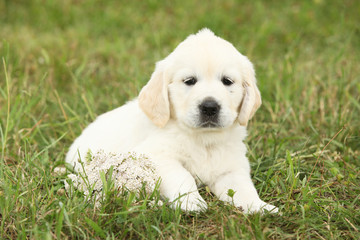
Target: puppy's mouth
{"x": 209, "y": 124}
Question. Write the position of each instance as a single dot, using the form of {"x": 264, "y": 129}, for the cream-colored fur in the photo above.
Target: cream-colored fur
{"x": 166, "y": 122}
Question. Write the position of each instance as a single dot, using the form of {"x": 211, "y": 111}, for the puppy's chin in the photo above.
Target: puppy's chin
{"x": 198, "y": 123}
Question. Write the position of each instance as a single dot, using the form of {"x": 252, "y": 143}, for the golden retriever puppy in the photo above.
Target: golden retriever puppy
{"x": 190, "y": 119}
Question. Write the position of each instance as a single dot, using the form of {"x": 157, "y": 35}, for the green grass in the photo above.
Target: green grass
{"x": 65, "y": 62}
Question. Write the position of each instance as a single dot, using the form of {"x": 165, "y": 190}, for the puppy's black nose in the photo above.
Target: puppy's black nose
{"x": 209, "y": 108}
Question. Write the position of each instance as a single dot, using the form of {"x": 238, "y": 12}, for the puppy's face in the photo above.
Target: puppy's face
{"x": 205, "y": 83}
{"x": 206, "y": 88}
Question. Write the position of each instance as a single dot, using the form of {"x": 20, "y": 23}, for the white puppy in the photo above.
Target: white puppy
{"x": 190, "y": 119}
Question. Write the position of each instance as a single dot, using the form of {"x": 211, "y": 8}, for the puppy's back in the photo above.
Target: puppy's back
{"x": 119, "y": 130}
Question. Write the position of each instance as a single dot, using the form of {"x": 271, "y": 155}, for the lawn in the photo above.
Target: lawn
{"x": 65, "y": 62}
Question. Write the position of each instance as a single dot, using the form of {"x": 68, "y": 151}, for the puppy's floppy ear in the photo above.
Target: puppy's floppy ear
{"x": 154, "y": 99}
{"x": 251, "y": 99}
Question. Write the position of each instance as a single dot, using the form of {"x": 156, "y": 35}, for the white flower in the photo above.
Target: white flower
{"x": 130, "y": 171}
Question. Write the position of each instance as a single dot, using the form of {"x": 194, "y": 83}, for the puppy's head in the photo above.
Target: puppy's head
{"x": 204, "y": 83}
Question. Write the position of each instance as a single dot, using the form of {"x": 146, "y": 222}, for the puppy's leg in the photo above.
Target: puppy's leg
{"x": 245, "y": 194}
{"x": 179, "y": 187}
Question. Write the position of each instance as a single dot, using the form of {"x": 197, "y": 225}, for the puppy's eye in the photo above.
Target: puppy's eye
{"x": 227, "y": 81}
{"x": 190, "y": 81}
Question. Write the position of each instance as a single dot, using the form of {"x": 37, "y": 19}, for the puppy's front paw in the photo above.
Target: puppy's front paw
{"x": 270, "y": 208}
{"x": 261, "y": 207}
{"x": 190, "y": 202}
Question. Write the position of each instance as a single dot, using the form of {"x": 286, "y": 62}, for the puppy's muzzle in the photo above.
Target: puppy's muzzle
{"x": 209, "y": 113}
